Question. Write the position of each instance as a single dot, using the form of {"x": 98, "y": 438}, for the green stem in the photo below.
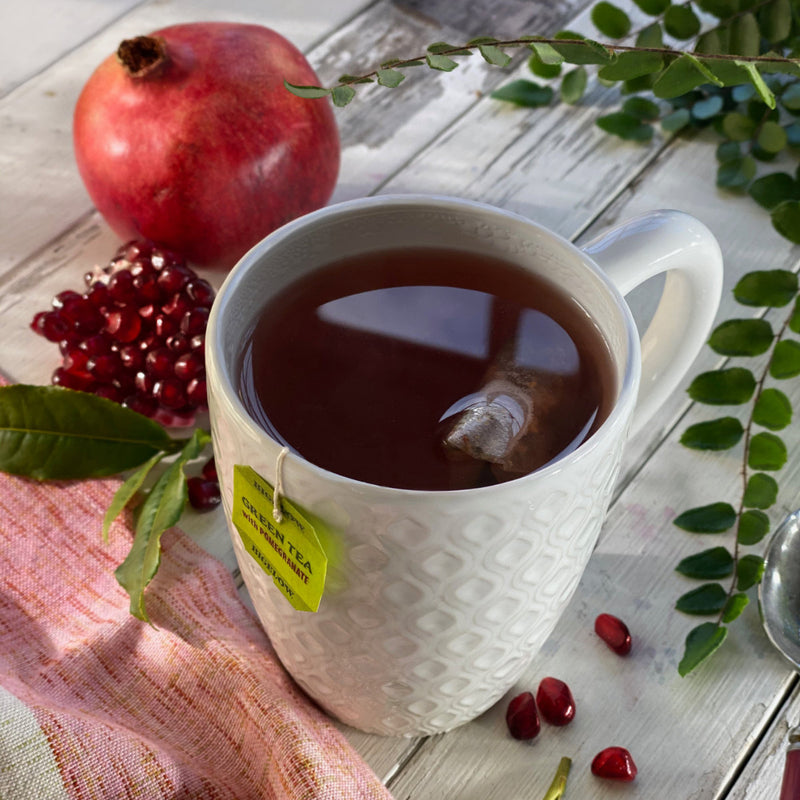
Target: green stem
{"x": 556, "y": 790}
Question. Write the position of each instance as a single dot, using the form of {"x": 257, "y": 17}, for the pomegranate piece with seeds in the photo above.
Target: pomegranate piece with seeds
{"x": 522, "y": 718}
{"x": 614, "y": 632}
{"x": 122, "y": 337}
{"x": 555, "y": 702}
{"x": 614, "y": 763}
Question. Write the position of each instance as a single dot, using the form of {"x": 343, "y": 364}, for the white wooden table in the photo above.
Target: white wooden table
{"x": 718, "y": 733}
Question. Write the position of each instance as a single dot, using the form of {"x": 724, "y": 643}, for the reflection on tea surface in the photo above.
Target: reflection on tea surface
{"x": 414, "y": 368}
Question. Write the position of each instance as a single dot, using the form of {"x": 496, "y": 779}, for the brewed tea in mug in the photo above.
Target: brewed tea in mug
{"x": 366, "y": 366}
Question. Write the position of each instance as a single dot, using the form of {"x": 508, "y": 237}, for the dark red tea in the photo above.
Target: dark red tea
{"x": 367, "y": 367}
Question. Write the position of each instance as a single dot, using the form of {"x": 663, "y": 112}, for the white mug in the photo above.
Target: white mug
{"x": 436, "y": 601}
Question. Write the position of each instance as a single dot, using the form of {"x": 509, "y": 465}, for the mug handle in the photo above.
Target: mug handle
{"x": 683, "y": 247}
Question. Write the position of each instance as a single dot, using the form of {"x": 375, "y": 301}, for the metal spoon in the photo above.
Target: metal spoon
{"x": 779, "y": 599}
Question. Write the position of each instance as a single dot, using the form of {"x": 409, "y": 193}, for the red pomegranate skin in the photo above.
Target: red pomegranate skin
{"x": 209, "y": 152}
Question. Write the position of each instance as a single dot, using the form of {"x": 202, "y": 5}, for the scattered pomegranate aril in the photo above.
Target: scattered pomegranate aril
{"x": 614, "y": 763}
{"x": 120, "y": 339}
{"x": 614, "y": 632}
{"x": 522, "y": 718}
{"x": 204, "y": 494}
{"x": 555, "y": 702}
{"x": 209, "y": 470}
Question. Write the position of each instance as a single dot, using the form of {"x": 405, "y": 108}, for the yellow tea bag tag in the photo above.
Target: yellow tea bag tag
{"x": 289, "y": 551}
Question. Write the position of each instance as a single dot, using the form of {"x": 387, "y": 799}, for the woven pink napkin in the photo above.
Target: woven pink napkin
{"x": 96, "y": 704}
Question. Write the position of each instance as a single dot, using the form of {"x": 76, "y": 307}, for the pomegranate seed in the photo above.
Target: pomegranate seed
{"x": 83, "y": 316}
{"x": 177, "y": 307}
{"x": 147, "y": 287}
{"x": 209, "y": 471}
{"x": 163, "y": 258}
{"x": 164, "y": 326}
{"x": 144, "y": 383}
{"x": 98, "y": 295}
{"x": 173, "y": 278}
{"x": 131, "y": 251}
{"x": 105, "y": 368}
{"x": 198, "y": 342}
{"x": 37, "y": 323}
{"x": 131, "y": 357}
{"x": 141, "y": 404}
{"x": 170, "y": 393}
{"x": 121, "y": 288}
{"x": 124, "y": 324}
{"x": 140, "y": 268}
{"x": 65, "y": 297}
{"x": 200, "y": 291}
{"x": 614, "y": 632}
{"x": 159, "y": 363}
{"x": 614, "y": 763}
{"x": 555, "y": 702}
{"x": 194, "y": 321}
{"x": 110, "y": 392}
{"x": 177, "y": 343}
{"x": 197, "y": 392}
{"x": 76, "y": 363}
{"x": 204, "y": 494}
{"x": 53, "y": 328}
{"x": 188, "y": 366}
{"x": 522, "y": 718}
{"x": 71, "y": 381}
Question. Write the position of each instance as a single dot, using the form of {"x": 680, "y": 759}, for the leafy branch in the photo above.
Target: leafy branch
{"x": 763, "y": 451}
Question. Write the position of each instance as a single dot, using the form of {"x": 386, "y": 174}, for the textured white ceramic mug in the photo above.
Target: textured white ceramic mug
{"x": 437, "y": 601}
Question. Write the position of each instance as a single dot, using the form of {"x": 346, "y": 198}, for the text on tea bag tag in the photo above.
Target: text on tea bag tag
{"x": 288, "y": 550}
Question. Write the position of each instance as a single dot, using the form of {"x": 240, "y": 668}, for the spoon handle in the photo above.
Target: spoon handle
{"x": 790, "y": 788}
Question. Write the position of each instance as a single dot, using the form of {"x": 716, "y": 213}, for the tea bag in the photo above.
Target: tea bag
{"x": 505, "y": 424}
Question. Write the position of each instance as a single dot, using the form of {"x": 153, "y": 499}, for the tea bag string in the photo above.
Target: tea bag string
{"x": 277, "y": 514}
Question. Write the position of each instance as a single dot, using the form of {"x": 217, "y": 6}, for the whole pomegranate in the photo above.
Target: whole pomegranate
{"x": 189, "y": 139}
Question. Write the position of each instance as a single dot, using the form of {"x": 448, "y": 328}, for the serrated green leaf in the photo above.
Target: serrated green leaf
{"x": 127, "y": 491}
{"x": 681, "y": 76}
{"x": 707, "y": 107}
{"x": 785, "y": 361}
{"x": 749, "y": 572}
{"x": 738, "y": 127}
{"x": 631, "y": 64}
{"x": 52, "y": 433}
{"x": 706, "y": 599}
{"x": 161, "y": 510}
{"x": 626, "y": 126}
{"x": 390, "y": 77}
{"x": 776, "y": 288}
{"x": 712, "y": 518}
{"x": 767, "y": 452}
{"x": 342, "y": 95}
{"x": 731, "y": 386}
{"x": 717, "y": 434}
{"x": 542, "y": 69}
{"x": 610, "y": 20}
{"x": 681, "y": 22}
{"x": 651, "y": 36}
{"x": 753, "y": 527}
{"x": 745, "y": 37}
{"x": 587, "y": 51}
{"x": 715, "y": 562}
{"x": 547, "y": 54}
{"x": 742, "y": 337}
{"x": 775, "y": 20}
{"x": 494, "y": 55}
{"x": 676, "y": 120}
{"x": 786, "y": 220}
{"x": 653, "y": 7}
{"x": 524, "y": 93}
{"x": 772, "y": 189}
{"x": 442, "y": 63}
{"x": 734, "y": 606}
{"x": 764, "y": 92}
{"x": 307, "y": 92}
{"x": 573, "y": 85}
{"x": 761, "y": 491}
{"x": 701, "y": 642}
{"x": 736, "y": 173}
{"x": 772, "y": 409}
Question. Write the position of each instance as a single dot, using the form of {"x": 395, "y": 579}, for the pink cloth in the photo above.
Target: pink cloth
{"x": 195, "y": 706}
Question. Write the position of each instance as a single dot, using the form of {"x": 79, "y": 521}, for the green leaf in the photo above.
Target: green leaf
{"x": 722, "y": 9}
{"x": 753, "y": 527}
{"x": 390, "y": 77}
{"x": 771, "y": 190}
{"x": 48, "y": 432}
{"x": 494, "y": 55}
{"x": 713, "y": 518}
{"x": 653, "y": 7}
{"x": 342, "y": 95}
{"x": 307, "y": 92}
{"x": 710, "y": 42}
{"x": 651, "y": 36}
{"x": 776, "y": 288}
{"x": 772, "y": 409}
{"x": 761, "y": 491}
{"x": 718, "y": 387}
{"x": 442, "y": 63}
{"x": 681, "y": 22}
{"x": 706, "y": 599}
{"x": 641, "y": 108}
{"x": 346, "y": 78}
{"x": 701, "y": 642}
{"x": 542, "y": 69}
{"x": 681, "y": 76}
{"x": 765, "y": 93}
{"x": 727, "y": 73}
{"x": 742, "y": 337}
{"x": 736, "y": 173}
{"x": 727, "y": 151}
{"x": 631, "y": 64}
{"x": 794, "y": 319}
{"x": 626, "y": 126}
{"x": 775, "y": 20}
{"x": 708, "y": 107}
{"x": 610, "y": 20}
{"x": 573, "y": 85}
{"x": 738, "y": 127}
{"x": 715, "y": 562}
{"x": 547, "y": 54}
{"x": 767, "y": 452}
{"x": 749, "y": 572}
{"x": 126, "y": 492}
{"x": 734, "y": 606}
{"x": 160, "y": 511}
{"x": 745, "y": 37}
{"x": 717, "y": 434}
{"x": 786, "y": 220}
{"x": 524, "y": 93}
{"x": 678, "y": 119}
{"x": 586, "y": 51}
{"x": 785, "y": 360}
{"x": 790, "y": 97}
{"x": 438, "y": 48}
